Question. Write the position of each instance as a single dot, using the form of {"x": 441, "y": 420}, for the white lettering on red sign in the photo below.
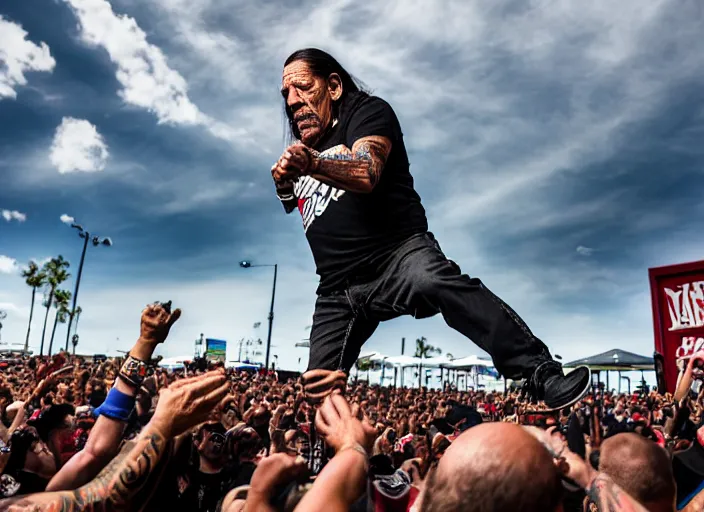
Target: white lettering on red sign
{"x": 690, "y": 346}
{"x": 686, "y": 306}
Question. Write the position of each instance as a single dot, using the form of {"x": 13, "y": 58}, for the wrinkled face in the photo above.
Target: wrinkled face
{"x": 309, "y": 101}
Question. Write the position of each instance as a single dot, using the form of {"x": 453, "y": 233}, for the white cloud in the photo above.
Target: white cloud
{"x": 18, "y": 56}
{"x": 78, "y": 146}
{"x": 7, "y": 265}
{"x": 584, "y": 251}
{"x": 66, "y": 219}
{"x": 142, "y": 69}
{"x": 8, "y": 307}
{"x": 464, "y": 79}
{"x": 10, "y": 215}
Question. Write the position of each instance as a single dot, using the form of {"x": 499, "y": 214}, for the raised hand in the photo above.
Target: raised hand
{"x": 273, "y": 472}
{"x": 337, "y": 424}
{"x": 318, "y": 384}
{"x": 696, "y": 362}
{"x": 188, "y": 402}
{"x": 157, "y": 320}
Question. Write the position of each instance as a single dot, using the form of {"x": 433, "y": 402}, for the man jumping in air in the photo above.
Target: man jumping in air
{"x": 348, "y": 175}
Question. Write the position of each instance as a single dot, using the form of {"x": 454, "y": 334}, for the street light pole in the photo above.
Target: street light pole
{"x": 247, "y": 264}
{"x": 271, "y": 318}
{"x": 96, "y": 241}
{"x": 86, "y": 237}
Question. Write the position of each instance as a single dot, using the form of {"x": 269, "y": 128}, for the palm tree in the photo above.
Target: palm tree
{"x": 364, "y": 365}
{"x": 61, "y": 301}
{"x": 77, "y": 316}
{"x": 424, "y": 350}
{"x": 56, "y": 273}
{"x": 35, "y": 278}
{"x": 74, "y": 338}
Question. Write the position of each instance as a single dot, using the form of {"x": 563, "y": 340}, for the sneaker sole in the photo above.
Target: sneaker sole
{"x": 581, "y": 395}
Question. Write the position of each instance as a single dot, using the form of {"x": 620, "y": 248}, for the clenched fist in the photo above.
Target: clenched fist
{"x": 297, "y": 160}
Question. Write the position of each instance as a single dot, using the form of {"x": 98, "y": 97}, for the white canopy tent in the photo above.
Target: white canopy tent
{"x": 403, "y": 361}
{"x": 176, "y": 362}
{"x": 468, "y": 363}
{"x": 457, "y": 369}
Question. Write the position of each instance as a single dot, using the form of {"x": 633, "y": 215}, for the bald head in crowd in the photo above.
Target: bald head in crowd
{"x": 494, "y": 467}
{"x": 641, "y": 468}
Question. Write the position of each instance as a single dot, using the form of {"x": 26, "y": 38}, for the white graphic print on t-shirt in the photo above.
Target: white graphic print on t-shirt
{"x": 315, "y": 196}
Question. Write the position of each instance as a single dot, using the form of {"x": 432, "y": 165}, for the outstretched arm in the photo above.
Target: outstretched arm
{"x": 105, "y": 436}
{"x": 111, "y": 490}
{"x": 685, "y": 378}
{"x": 603, "y": 495}
{"x": 181, "y": 406}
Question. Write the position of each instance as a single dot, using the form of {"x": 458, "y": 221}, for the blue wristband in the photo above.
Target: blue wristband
{"x": 117, "y": 406}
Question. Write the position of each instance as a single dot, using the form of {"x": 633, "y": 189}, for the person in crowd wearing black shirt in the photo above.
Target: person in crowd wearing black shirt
{"x": 348, "y": 175}
{"x": 204, "y": 482}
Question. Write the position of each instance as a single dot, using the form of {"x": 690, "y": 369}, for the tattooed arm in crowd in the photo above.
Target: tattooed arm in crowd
{"x": 182, "y": 405}
{"x": 105, "y": 436}
{"x": 603, "y": 495}
{"x": 356, "y": 170}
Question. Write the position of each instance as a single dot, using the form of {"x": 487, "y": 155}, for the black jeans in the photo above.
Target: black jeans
{"x": 419, "y": 280}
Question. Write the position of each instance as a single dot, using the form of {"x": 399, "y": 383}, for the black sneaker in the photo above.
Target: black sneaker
{"x": 550, "y": 385}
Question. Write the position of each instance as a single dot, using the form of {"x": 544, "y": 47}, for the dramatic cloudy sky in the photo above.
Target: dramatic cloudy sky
{"x": 557, "y": 146}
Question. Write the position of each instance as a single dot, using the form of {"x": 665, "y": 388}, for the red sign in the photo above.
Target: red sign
{"x": 677, "y": 293}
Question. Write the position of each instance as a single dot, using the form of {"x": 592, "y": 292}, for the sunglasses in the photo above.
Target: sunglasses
{"x": 217, "y": 438}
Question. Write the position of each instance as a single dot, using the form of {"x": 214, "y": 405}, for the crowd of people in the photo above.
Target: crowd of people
{"x": 127, "y": 435}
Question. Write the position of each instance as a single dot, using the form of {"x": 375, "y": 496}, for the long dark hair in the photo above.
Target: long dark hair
{"x": 20, "y": 443}
{"x": 322, "y": 64}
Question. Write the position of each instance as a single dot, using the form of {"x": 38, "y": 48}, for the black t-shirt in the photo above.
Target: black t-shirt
{"x": 201, "y": 492}
{"x": 179, "y": 485}
{"x": 243, "y": 474}
{"x": 351, "y": 234}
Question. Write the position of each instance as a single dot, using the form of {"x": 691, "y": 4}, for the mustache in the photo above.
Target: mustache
{"x": 304, "y": 117}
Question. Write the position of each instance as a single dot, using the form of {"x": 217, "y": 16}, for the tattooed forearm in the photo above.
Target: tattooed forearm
{"x": 113, "y": 489}
{"x": 358, "y": 170}
{"x": 605, "y": 496}
{"x": 136, "y": 472}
